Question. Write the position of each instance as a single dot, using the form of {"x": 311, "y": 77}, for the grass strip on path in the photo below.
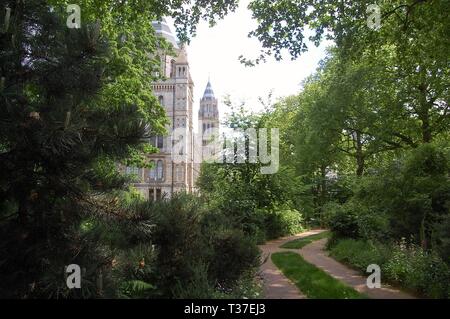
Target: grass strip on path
{"x": 312, "y": 281}
{"x": 301, "y": 242}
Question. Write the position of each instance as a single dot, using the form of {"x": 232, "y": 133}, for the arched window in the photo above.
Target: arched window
{"x": 159, "y": 170}
{"x": 161, "y": 100}
{"x": 152, "y": 174}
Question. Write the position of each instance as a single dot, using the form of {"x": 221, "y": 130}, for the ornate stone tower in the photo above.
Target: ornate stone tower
{"x": 175, "y": 94}
{"x": 208, "y": 119}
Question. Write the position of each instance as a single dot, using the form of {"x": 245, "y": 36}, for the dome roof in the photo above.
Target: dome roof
{"x": 163, "y": 29}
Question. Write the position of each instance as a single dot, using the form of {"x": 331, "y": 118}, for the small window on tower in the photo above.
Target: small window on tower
{"x": 161, "y": 100}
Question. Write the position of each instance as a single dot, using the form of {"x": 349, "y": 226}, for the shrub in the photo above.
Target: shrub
{"x": 283, "y": 222}
{"x": 134, "y": 269}
{"x": 409, "y": 198}
{"x": 179, "y": 242}
{"x": 199, "y": 254}
{"x": 359, "y": 253}
{"x": 234, "y": 253}
{"x": 441, "y": 238}
{"x": 373, "y": 225}
{"x": 406, "y": 265}
{"x": 328, "y": 211}
{"x": 421, "y": 271}
{"x": 343, "y": 222}
{"x": 198, "y": 286}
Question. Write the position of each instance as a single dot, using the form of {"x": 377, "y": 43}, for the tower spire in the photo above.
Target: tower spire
{"x": 209, "y": 93}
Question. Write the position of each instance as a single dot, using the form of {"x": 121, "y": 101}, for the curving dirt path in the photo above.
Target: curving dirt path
{"x": 277, "y": 286}
{"x": 315, "y": 254}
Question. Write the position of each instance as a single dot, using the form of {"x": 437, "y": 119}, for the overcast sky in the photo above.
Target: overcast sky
{"x": 215, "y": 51}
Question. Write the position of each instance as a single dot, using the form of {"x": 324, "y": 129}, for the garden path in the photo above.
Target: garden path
{"x": 277, "y": 286}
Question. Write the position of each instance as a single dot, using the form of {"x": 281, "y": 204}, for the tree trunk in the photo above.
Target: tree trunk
{"x": 426, "y": 129}
{"x": 360, "y": 162}
{"x": 424, "y": 113}
{"x": 423, "y": 235}
{"x": 323, "y": 184}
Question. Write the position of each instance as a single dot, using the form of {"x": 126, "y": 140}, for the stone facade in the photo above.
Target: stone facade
{"x": 176, "y": 95}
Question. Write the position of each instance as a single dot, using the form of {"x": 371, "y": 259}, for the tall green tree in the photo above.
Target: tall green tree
{"x": 74, "y": 103}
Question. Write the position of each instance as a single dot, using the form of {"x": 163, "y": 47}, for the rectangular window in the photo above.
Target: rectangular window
{"x": 160, "y": 170}
{"x": 153, "y": 140}
{"x": 151, "y": 194}
{"x": 180, "y": 173}
{"x": 152, "y": 172}
{"x": 158, "y": 193}
{"x": 160, "y": 140}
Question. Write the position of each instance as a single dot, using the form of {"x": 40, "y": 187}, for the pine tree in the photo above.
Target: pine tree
{"x": 59, "y": 145}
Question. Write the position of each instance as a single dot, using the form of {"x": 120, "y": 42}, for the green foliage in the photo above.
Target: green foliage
{"x": 135, "y": 289}
{"x": 179, "y": 242}
{"x": 262, "y": 205}
{"x": 403, "y": 264}
{"x": 359, "y": 253}
{"x": 198, "y": 254}
{"x": 418, "y": 270}
{"x": 312, "y": 281}
{"x": 343, "y": 222}
{"x": 75, "y": 102}
{"x": 413, "y": 193}
{"x": 441, "y": 238}
{"x": 57, "y": 141}
{"x": 283, "y": 222}
{"x": 197, "y": 286}
{"x": 252, "y": 201}
{"x": 234, "y": 253}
